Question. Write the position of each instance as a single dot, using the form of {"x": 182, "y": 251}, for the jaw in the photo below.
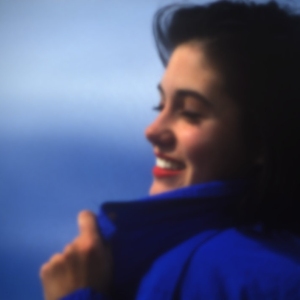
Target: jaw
{"x": 166, "y": 184}
{"x": 185, "y": 177}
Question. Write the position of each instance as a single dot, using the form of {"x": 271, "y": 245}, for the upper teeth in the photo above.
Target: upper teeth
{"x": 166, "y": 164}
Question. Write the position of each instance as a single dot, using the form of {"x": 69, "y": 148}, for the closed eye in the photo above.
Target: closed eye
{"x": 190, "y": 115}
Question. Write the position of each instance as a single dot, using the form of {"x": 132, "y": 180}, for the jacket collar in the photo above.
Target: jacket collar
{"x": 143, "y": 230}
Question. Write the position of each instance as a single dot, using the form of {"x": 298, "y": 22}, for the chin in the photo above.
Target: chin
{"x": 154, "y": 190}
{"x": 161, "y": 187}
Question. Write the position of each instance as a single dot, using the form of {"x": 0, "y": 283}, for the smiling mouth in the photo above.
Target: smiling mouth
{"x": 165, "y": 167}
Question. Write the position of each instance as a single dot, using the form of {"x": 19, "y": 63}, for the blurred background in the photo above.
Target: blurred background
{"x": 77, "y": 85}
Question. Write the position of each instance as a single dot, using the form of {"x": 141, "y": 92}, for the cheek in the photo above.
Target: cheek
{"x": 209, "y": 152}
{"x": 196, "y": 145}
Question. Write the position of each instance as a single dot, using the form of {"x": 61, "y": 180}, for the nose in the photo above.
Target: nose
{"x": 160, "y": 133}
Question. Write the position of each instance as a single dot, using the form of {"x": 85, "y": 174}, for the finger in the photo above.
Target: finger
{"x": 70, "y": 249}
{"x": 87, "y": 223}
{"x": 54, "y": 265}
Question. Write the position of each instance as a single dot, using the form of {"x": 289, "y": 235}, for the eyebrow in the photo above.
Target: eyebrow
{"x": 188, "y": 93}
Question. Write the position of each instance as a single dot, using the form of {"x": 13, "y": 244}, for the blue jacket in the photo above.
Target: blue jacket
{"x": 185, "y": 244}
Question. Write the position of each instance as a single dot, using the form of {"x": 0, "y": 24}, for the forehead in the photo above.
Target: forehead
{"x": 189, "y": 68}
{"x": 188, "y": 65}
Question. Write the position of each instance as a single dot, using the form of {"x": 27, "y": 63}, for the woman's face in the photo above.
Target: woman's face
{"x": 196, "y": 136}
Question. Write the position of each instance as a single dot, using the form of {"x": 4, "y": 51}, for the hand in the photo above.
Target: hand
{"x": 86, "y": 262}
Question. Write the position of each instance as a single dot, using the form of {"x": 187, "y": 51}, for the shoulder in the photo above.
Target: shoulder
{"x": 228, "y": 264}
{"x": 244, "y": 264}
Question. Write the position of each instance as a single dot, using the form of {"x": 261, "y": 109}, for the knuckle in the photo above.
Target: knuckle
{"x": 44, "y": 270}
{"x": 88, "y": 246}
{"x": 68, "y": 249}
{"x": 49, "y": 267}
{"x": 56, "y": 258}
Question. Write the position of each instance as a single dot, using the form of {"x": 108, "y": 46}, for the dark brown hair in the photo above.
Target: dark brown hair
{"x": 257, "y": 49}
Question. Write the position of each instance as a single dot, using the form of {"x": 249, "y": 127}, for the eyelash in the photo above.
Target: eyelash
{"x": 159, "y": 107}
{"x": 192, "y": 116}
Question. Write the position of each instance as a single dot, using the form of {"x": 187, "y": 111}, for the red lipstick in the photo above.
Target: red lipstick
{"x": 160, "y": 172}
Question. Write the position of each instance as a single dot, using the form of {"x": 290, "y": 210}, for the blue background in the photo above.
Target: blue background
{"x": 77, "y": 83}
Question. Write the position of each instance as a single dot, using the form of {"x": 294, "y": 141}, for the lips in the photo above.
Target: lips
{"x": 166, "y": 167}
{"x": 159, "y": 172}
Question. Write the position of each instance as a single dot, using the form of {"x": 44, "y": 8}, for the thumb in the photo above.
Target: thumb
{"x": 87, "y": 223}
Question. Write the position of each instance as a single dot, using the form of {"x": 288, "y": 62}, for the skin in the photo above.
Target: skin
{"x": 204, "y": 137}
{"x": 85, "y": 262}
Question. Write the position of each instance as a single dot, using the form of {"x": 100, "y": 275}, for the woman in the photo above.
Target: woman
{"x": 222, "y": 219}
